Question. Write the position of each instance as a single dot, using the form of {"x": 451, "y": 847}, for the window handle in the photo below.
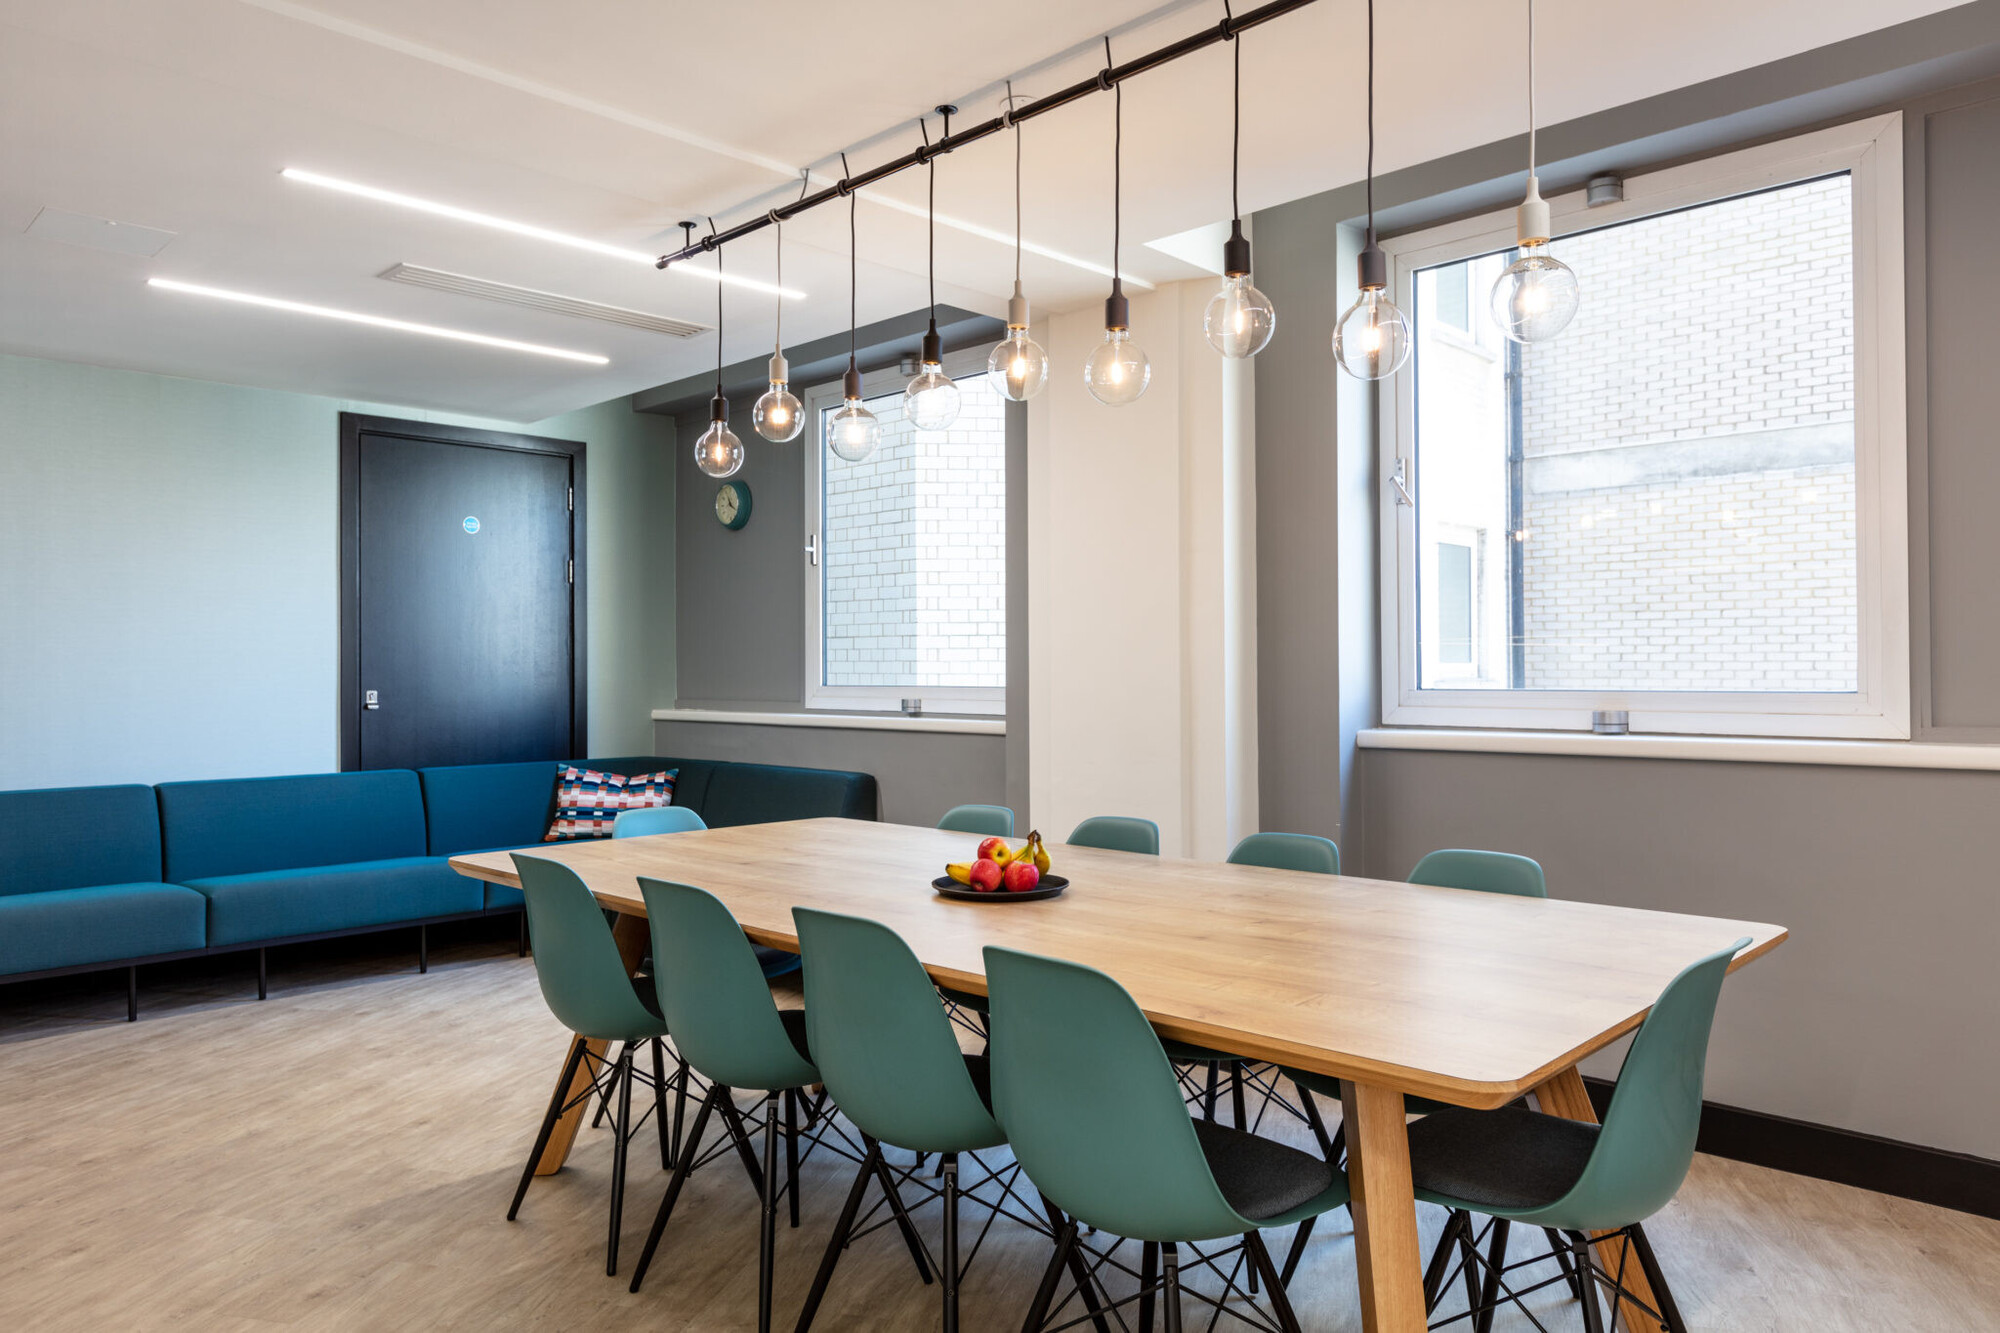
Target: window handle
{"x": 1403, "y": 496}
{"x": 812, "y": 548}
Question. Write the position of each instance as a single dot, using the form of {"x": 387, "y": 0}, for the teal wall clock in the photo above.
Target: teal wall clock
{"x": 732, "y": 504}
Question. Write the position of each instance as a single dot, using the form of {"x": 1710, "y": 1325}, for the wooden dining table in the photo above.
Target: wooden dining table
{"x": 1394, "y": 989}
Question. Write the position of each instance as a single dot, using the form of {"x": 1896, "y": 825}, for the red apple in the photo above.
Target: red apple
{"x": 996, "y": 850}
{"x": 1020, "y": 876}
{"x": 986, "y": 874}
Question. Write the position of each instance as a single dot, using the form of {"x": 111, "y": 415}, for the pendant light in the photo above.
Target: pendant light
{"x": 1019, "y": 361}
{"x": 718, "y": 453}
{"x": 853, "y": 431}
{"x": 1239, "y": 320}
{"x": 1535, "y": 297}
{"x": 1118, "y": 371}
{"x": 777, "y": 415}
{"x": 1372, "y": 340}
{"x": 931, "y": 400}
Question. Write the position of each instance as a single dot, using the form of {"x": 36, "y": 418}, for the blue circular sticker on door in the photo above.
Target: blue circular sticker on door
{"x": 471, "y": 524}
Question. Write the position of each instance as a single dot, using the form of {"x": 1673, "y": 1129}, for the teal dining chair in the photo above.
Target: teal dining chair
{"x": 1118, "y": 833}
{"x": 992, "y": 821}
{"x": 732, "y": 1033}
{"x": 1587, "y": 1184}
{"x": 885, "y": 1048}
{"x": 1304, "y": 852}
{"x": 656, "y": 819}
{"x": 586, "y": 987}
{"x": 1094, "y": 1115}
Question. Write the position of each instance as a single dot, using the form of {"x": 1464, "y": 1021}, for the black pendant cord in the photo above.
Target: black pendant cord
{"x": 1235, "y": 117}
{"x": 850, "y": 270}
{"x": 1117, "y": 163}
{"x": 718, "y": 313}
{"x": 1371, "y": 123}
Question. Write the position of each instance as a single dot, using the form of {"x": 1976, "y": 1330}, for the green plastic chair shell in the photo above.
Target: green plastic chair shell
{"x": 882, "y": 1041}
{"x": 1118, "y": 833}
{"x": 992, "y": 821}
{"x": 656, "y": 819}
{"x": 1487, "y": 872}
{"x": 1288, "y": 851}
{"x": 1092, "y": 1110}
{"x": 714, "y": 995}
{"x": 1646, "y": 1142}
{"x": 583, "y": 978}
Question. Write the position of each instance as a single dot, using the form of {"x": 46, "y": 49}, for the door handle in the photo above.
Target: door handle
{"x": 369, "y": 699}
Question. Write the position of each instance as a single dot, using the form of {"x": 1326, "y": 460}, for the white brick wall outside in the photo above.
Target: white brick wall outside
{"x": 916, "y": 551}
{"x": 1731, "y": 563}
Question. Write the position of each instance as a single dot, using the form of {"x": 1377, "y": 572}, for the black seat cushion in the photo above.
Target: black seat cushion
{"x": 1260, "y": 1178}
{"x": 1509, "y": 1158}
{"x": 795, "y": 1028}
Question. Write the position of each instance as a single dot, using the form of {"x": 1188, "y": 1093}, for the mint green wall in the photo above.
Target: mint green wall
{"x": 169, "y": 574}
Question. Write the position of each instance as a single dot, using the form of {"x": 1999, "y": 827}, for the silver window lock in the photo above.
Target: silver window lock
{"x": 1610, "y": 721}
{"x": 912, "y": 707}
{"x": 370, "y": 700}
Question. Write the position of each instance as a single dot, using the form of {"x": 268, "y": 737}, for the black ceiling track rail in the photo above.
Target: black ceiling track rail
{"x": 1101, "y": 82}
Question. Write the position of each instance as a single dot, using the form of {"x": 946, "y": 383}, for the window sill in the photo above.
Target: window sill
{"x": 1728, "y": 749}
{"x": 968, "y": 726}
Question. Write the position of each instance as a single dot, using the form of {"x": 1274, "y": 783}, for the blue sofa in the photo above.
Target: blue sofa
{"x": 95, "y": 878}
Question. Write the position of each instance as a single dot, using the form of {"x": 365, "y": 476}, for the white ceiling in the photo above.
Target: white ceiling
{"x": 613, "y": 119}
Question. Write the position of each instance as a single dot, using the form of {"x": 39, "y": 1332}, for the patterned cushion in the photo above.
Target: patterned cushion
{"x": 587, "y": 801}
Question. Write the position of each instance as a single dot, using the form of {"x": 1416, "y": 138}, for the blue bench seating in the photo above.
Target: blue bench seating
{"x": 94, "y": 878}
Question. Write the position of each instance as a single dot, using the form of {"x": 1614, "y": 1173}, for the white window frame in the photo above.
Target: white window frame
{"x": 1871, "y": 151}
{"x": 985, "y": 700}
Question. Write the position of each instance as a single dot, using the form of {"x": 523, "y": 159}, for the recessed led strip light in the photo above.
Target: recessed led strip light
{"x": 376, "y": 321}
{"x": 477, "y": 219}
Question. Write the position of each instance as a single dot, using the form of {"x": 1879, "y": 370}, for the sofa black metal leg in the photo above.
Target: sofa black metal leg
{"x": 716, "y": 1092}
{"x": 767, "y": 1235}
{"x": 621, "y": 1137}
{"x": 423, "y": 949}
{"x": 132, "y": 993}
{"x": 1663, "y": 1296}
{"x": 263, "y": 975}
{"x": 1281, "y": 1301}
{"x": 576, "y": 1047}
{"x": 838, "y": 1241}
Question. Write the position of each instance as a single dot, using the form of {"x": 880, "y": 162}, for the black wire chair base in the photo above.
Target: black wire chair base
{"x": 1458, "y": 1260}
{"x": 1221, "y": 1280}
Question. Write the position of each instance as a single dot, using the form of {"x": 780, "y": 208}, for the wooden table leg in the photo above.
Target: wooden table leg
{"x": 1565, "y": 1095}
{"x": 1386, "y": 1254}
{"x": 632, "y": 937}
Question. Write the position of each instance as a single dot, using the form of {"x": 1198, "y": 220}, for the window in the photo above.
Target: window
{"x": 906, "y": 597}
{"x": 1689, "y": 506}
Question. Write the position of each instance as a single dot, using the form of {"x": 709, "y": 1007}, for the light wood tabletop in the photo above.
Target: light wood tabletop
{"x": 1471, "y": 998}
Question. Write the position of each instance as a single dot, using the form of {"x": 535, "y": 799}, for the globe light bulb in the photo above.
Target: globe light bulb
{"x": 718, "y": 453}
{"x": 1117, "y": 372}
{"x": 1372, "y": 340}
{"x": 1019, "y": 361}
{"x": 931, "y": 400}
{"x": 1536, "y": 296}
{"x": 777, "y": 415}
{"x": 853, "y": 432}
{"x": 1240, "y": 319}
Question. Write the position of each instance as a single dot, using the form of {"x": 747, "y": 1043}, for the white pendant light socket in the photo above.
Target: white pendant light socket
{"x": 1531, "y": 219}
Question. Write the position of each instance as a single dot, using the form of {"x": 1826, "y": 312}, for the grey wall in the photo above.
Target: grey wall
{"x": 741, "y": 609}
{"x": 1877, "y": 1015}
{"x": 171, "y": 587}
{"x": 920, "y": 774}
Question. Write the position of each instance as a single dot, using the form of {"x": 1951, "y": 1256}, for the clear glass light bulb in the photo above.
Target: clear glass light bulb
{"x": 1117, "y": 372}
{"x": 931, "y": 401}
{"x": 777, "y": 415}
{"x": 1022, "y": 365}
{"x": 718, "y": 452}
{"x": 1240, "y": 319}
{"x": 1372, "y": 340}
{"x": 853, "y": 432}
{"x": 1535, "y": 297}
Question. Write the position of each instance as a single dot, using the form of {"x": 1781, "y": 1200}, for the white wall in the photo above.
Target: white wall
{"x": 1142, "y": 586}
{"x": 169, "y": 575}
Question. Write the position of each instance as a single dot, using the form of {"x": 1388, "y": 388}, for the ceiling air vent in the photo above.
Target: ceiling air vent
{"x": 438, "y": 279}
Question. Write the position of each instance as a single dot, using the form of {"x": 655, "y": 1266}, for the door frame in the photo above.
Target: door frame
{"x": 353, "y": 425}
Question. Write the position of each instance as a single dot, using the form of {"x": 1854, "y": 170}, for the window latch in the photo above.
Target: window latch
{"x": 1399, "y": 481}
{"x": 812, "y": 548}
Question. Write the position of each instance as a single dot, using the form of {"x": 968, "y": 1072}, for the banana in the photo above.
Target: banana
{"x": 1037, "y": 852}
{"x": 960, "y": 871}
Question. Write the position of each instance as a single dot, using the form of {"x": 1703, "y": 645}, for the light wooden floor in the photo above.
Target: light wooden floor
{"x": 342, "y": 1155}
